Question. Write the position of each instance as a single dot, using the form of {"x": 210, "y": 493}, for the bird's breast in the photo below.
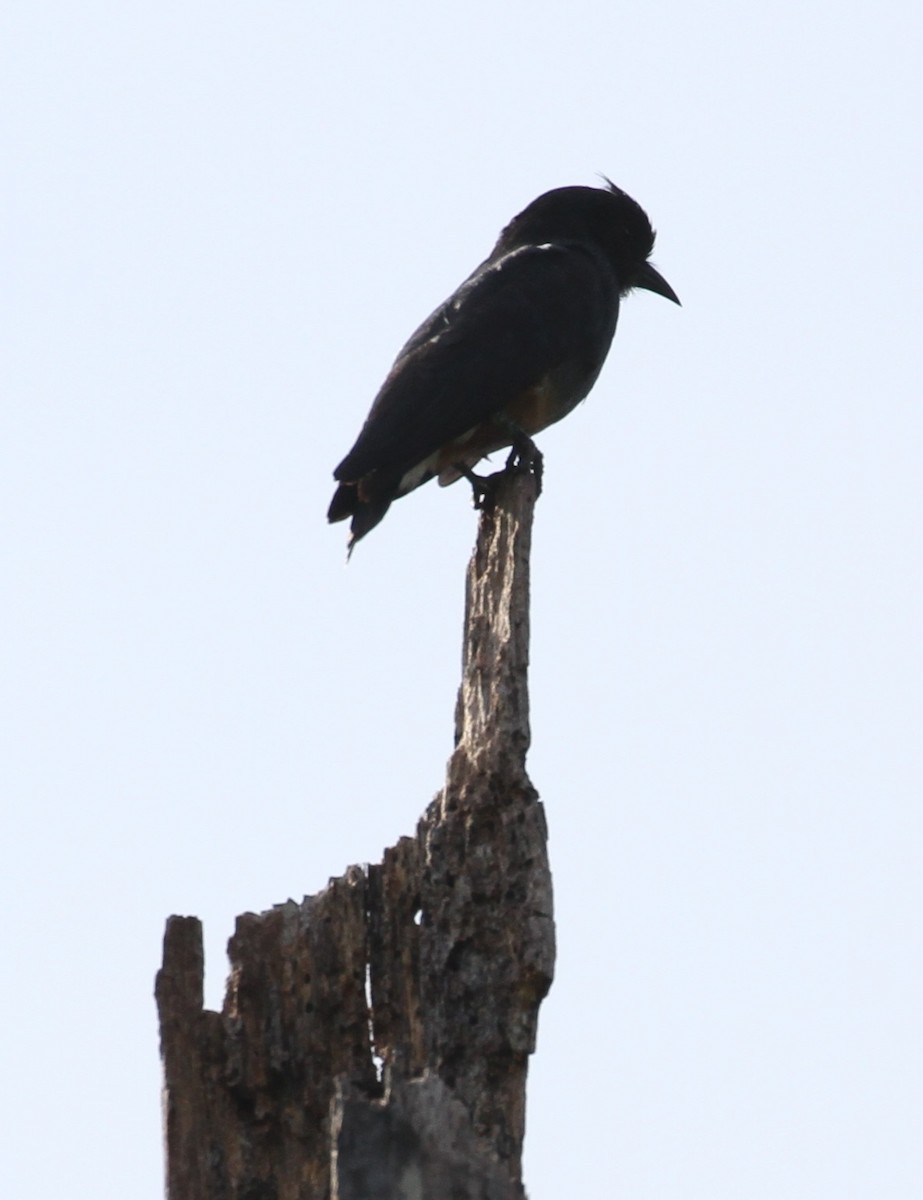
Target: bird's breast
{"x": 541, "y": 405}
{"x": 531, "y": 410}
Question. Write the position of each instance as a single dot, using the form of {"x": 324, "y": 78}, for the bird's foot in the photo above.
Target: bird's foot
{"x": 483, "y": 487}
{"x": 525, "y": 455}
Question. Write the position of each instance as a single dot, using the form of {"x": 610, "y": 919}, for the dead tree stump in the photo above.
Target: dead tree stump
{"x": 374, "y": 1039}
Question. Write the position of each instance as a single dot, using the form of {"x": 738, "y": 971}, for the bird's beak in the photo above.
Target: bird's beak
{"x": 651, "y": 279}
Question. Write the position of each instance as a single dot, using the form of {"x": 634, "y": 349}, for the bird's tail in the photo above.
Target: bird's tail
{"x": 366, "y": 501}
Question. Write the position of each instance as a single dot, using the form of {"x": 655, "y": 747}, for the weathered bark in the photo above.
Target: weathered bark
{"x": 278, "y": 1097}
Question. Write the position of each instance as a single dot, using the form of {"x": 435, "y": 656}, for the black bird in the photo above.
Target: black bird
{"x": 514, "y": 349}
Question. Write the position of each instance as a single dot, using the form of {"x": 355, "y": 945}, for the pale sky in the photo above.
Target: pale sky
{"x": 223, "y": 221}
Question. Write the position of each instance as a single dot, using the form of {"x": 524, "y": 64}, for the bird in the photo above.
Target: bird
{"x": 515, "y": 348}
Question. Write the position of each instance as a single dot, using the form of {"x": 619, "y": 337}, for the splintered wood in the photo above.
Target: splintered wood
{"x": 374, "y": 1039}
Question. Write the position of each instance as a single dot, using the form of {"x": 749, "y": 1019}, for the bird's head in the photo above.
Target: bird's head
{"x": 607, "y": 217}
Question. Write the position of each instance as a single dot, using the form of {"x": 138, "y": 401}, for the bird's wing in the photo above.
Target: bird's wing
{"x": 511, "y": 323}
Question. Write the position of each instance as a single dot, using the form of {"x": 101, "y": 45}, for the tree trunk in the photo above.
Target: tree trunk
{"x": 374, "y": 1039}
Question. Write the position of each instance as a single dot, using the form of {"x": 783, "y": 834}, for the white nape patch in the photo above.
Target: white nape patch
{"x": 502, "y": 264}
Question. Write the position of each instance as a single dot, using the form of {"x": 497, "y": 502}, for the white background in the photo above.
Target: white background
{"x": 222, "y": 221}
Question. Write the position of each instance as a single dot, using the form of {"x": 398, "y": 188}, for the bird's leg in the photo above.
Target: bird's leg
{"x": 524, "y": 454}
{"x": 481, "y": 485}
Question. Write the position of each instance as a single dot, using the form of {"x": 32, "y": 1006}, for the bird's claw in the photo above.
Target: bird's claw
{"x": 482, "y": 487}
{"x": 525, "y": 456}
